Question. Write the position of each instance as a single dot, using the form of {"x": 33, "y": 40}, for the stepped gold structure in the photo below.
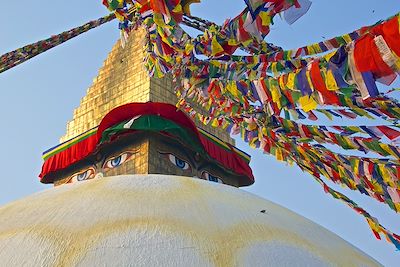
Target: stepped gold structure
{"x": 122, "y": 79}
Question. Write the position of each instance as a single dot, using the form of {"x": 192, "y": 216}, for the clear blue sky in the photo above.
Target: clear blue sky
{"x": 38, "y": 98}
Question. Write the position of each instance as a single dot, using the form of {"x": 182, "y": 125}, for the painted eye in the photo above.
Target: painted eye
{"x": 82, "y": 176}
{"x": 117, "y": 161}
{"x": 212, "y": 178}
{"x": 178, "y": 162}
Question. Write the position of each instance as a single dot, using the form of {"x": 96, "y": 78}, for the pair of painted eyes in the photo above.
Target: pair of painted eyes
{"x": 112, "y": 163}
{"x": 185, "y": 166}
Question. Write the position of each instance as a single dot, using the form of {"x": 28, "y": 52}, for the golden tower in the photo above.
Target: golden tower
{"x": 122, "y": 79}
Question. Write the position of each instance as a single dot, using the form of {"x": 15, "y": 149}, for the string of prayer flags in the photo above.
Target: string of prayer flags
{"x": 373, "y": 223}
{"x": 338, "y": 41}
{"x": 321, "y": 134}
{"x": 373, "y": 178}
{"x": 20, "y": 55}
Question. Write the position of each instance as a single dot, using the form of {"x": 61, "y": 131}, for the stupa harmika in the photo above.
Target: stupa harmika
{"x": 141, "y": 204}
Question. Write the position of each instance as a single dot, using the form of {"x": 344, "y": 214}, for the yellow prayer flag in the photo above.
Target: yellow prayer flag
{"x": 225, "y": 124}
{"x": 396, "y": 62}
{"x": 309, "y": 80}
{"x": 177, "y": 8}
{"x": 252, "y": 126}
{"x": 247, "y": 42}
{"x": 386, "y": 175}
{"x": 397, "y": 205}
{"x": 215, "y": 123}
{"x": 373, "y": 225}
{"x": 301, "y": 151}
{"x": 215, "y": 63}
{"x": 275, "y": 93}
{"x": 158, "y": 19}
{"x": 317, "y": 48}
{"x": 274, "y": 68}
{"x": 330, "y": 81}
{"x": 310, "y": 49}
{"x": 356, "y": 165}
{"x": 387, "y": 149}
{"x": 289, "y": 54}
{"x": 281, "y": 81}
{"x": 253, "y": 142}
{"x": 264, "y": 131}
{"x": 192, "y": 67}
{"x": 260, "y": 134}
{"x": 278, "y": 154}
{"x": 307, "y": 103}
{"x": 252, "y": 75}
{"x": 265, "y": 18}
{"x": 290, "y": 80}
{"x": 208, "y": 104}
{"x": 352, "y": 184}
{"x": 215, "y": 46}
{"x": 328, "y": 56}
{"x": 232, "y": 88}
{"x": 324, "y": 172}
{"x": 342, "y": 172}
{"x": 119, "y": 16}
{"x": 189, "y": 47}
{"x": 232, "y": 42}
{"x": 347, "y": 38}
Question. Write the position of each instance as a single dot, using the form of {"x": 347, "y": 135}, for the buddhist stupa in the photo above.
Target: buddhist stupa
{"x": 138, "y": 183}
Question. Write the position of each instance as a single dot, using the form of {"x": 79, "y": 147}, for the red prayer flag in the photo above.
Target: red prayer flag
{"x": 390, "y": 32}
{"x": 376, "y": 234}
{"x": 318, "y": 82}
{"x": 368, "y": 59}
{"x": 389, "y": 132}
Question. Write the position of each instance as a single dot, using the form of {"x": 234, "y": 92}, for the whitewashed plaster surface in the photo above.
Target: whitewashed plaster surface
{"x": 160, "y": 220}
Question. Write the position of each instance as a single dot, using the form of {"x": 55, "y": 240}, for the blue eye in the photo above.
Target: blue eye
{"x": 82, "y": 176}
{"x": 178, "y": 162}
{"x": 212, "y": 178}
{"x": 117, "y": 161}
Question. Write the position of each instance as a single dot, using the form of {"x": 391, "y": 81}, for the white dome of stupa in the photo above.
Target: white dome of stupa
{"x": 162, "y": 220}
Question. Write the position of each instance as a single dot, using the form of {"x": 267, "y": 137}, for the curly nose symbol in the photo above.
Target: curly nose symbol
{"x": 99, "y": 175}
